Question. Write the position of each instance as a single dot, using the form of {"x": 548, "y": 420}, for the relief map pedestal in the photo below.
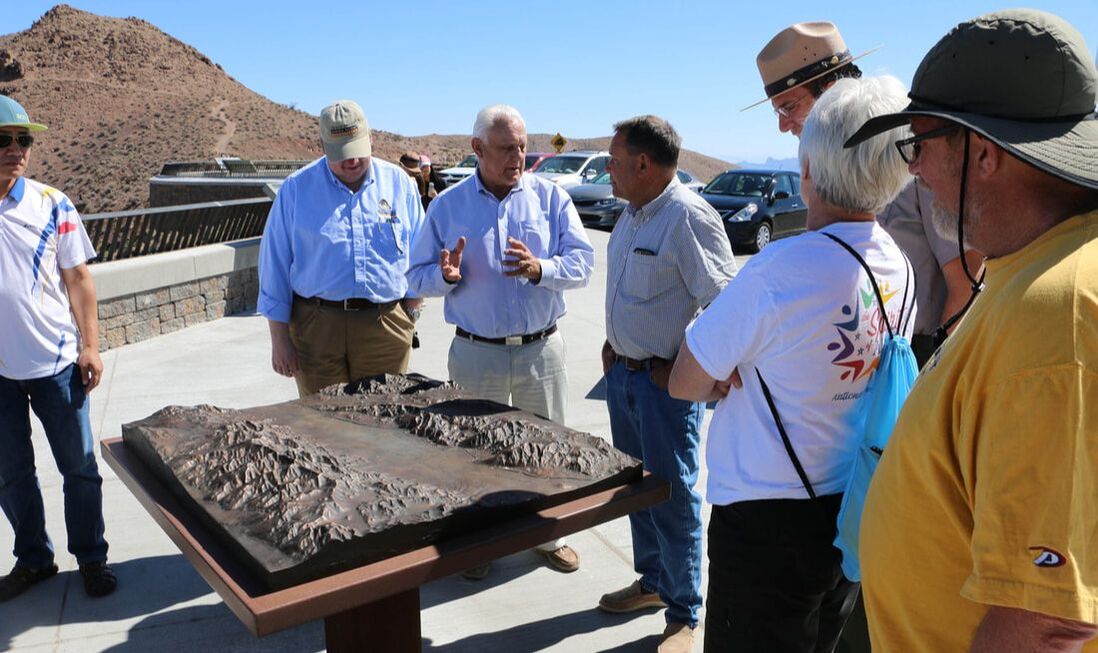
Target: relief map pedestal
{"x": 338, "y": 506}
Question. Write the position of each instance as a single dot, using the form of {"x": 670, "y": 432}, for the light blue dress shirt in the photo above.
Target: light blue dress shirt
{"x": 322, "y": 240}
{"x": 485, "y": 302}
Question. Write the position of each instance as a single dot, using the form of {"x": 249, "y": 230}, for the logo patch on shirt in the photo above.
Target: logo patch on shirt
{"x": 1047, "y": 557}
{"x": 383, "y": 208}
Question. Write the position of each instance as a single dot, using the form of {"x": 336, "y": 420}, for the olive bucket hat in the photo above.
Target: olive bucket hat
{"x": 1022, "y": 78}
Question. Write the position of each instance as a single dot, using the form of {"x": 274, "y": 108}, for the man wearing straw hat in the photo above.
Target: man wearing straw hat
{"x": 49, "y": 362}
{"x": 979, "y": 528}
{"x": 796, "y": 67}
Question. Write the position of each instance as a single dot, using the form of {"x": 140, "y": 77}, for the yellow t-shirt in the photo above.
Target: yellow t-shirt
{"x": 988, "y": 491}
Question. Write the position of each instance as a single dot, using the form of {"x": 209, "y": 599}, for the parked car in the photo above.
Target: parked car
{"x": 757, "y": 206}
{"x": 574, "y": 168}
{"x": 690, "y": 181}
{"x": 595, "y": 202}
{"x": 462, "y": 170}
{"x": 534, "y": 159}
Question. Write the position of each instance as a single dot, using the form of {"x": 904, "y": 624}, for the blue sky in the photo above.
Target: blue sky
{"x": 573, "y": 67}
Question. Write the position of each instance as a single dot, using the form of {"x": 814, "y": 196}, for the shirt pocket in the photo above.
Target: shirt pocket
{"x": 388, "y": 238}
{"x": 536, "y": 235}
{"x": 647, "y": 276}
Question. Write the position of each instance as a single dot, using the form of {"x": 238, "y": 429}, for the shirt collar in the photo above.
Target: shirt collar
{"x": 653, "y": 207}
{"x": 481, "y": 188}
{"x": 339, "y": 184}
{"x": 18, "y": 189}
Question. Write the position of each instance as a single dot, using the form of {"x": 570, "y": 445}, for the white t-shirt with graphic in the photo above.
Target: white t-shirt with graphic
{"x": 802, "y": 312}
{"x": 40, "y": 235}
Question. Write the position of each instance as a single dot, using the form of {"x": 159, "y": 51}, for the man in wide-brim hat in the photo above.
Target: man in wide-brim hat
{"x": 978, "y": 532}
{"x": 798, "y": 65}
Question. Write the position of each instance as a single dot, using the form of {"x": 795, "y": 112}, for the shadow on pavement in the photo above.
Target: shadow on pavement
{"x": 144, "y": 585}
{"x": 540, "y": 635}
{"x": 598, "y": 392}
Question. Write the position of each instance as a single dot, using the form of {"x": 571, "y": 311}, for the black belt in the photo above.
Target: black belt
{"x": 509, "y": 340}
{"x": 352, "y": 304}
{"x": 635, "y": 364}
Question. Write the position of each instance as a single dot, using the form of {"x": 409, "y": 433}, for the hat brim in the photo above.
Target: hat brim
{"x": 813, "y": 78}
{"x": 1066, "y": 149}
{"x": 356, "y": 148}
{"x": 29, "y": 126}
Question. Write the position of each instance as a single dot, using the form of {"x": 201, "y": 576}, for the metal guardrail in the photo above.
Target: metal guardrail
{"x": 230, "y": 168}
{"x": 126, "y": 234}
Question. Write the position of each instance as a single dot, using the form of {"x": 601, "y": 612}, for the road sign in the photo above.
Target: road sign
{"x": 558, "y": 142}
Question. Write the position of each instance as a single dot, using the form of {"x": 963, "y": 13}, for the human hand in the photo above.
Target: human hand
{"x": 661, "y": 376}
{"x": 91, "y": 368}
{"x": 450, "y": 262}
{"x": 733, "y": 381}
{"x": 522, "y": 263}
{"x": 284, "y": 355}
{"x": 607, "y": 357}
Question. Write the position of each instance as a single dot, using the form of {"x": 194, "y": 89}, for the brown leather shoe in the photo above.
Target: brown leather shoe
{"x": 677, "y": 638}
{"x": 630, "y": 599}
{"x": 563, "y": 559}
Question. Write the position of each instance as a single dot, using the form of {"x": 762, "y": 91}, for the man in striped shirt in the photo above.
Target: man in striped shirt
{"x": 668, "y": 257}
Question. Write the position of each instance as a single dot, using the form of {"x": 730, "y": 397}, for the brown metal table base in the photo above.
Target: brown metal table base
{"x": 389, "y": 624}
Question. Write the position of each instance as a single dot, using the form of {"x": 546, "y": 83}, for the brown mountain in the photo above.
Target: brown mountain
{"x": 121, "y": 97}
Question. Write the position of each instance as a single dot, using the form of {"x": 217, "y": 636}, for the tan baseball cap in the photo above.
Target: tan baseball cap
{"x": 344, "y": 131}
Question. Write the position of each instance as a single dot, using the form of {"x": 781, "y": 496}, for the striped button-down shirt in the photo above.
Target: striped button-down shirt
{"x": 666, "y": 260}
{"x": 486, "y": 302}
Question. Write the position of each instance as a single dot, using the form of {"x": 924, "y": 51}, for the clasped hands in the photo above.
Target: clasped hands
{"x": 521, "y": 261}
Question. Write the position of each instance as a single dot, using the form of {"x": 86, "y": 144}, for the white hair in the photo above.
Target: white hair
{"x": 490, "y": 116}
{"x": 864, "y": 178}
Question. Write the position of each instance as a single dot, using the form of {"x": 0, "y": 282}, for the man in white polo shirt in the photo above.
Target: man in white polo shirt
{"x": 48, "y": 364}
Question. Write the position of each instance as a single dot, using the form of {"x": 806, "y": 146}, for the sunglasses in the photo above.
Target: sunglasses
{"x": 24, "y": 140}
{"x": 910, "y": 147}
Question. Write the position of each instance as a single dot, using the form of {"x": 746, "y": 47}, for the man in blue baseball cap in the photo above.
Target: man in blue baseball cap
{"x": 49, "y": 362}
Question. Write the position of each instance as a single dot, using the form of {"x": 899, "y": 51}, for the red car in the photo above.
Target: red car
{"x": 534, "y": 159}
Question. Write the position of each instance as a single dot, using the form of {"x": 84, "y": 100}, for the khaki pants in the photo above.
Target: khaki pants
{"x": 338, "y": 346}
{"x": 530, "y": 377}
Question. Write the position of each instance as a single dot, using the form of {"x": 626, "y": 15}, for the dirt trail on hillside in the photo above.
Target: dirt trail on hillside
{"x": 221, "y": 146}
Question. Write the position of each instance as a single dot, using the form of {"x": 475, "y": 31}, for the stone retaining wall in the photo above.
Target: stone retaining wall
{"x": 145, "y": 297}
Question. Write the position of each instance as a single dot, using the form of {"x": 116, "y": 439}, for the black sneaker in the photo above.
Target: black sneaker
{"x": 22, "y": 578}
{"x": 99, "y": 579}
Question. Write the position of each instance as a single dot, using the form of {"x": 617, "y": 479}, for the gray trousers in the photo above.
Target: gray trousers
{"x": 530, "y": 377}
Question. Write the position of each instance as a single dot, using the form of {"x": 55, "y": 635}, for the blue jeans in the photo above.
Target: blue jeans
{"x": 61, "y": 404}
{"x": 664, "y": 433}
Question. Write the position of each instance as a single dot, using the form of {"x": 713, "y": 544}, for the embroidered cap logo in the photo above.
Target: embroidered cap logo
{"x": 1047, "y": 557}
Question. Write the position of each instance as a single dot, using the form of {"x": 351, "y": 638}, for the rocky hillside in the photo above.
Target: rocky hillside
{"x": 121, "y": 97}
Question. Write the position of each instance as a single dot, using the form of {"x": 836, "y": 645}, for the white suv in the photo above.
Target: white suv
{"x": 574, "y": 168}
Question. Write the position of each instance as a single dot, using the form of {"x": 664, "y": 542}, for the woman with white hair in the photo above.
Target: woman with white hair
{"x": 803, "y": 324}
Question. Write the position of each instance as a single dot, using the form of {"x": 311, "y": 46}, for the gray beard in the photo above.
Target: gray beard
{"x": 945, "y": 222}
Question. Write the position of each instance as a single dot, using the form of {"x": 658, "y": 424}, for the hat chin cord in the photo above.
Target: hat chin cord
{"x": 977, "y": 285}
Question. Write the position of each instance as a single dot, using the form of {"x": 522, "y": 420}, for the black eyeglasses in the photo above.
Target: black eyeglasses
{"x": 24, "y": 140}
{"x": 909, "y": 147}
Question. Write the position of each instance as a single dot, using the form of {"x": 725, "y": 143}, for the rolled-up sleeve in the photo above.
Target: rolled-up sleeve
{"x": 571, "y": 265}
{"x": 424, "y": 275}
{"x": 704, "y": 255}
{"x": 275, "y": 258}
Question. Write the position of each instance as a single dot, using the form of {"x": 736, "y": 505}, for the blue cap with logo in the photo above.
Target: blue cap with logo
{"x": 12, "y": 114}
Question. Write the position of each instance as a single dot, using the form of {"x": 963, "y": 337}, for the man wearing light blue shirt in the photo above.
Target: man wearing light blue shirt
{"x": 333, "y": 258}
{"x": 501, "y": 247}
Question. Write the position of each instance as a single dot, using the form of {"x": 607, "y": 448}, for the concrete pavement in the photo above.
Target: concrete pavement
{"x": 163, "y": 604}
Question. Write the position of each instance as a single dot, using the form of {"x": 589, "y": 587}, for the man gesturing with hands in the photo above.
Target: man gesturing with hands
{"x": 501, "y": 247}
